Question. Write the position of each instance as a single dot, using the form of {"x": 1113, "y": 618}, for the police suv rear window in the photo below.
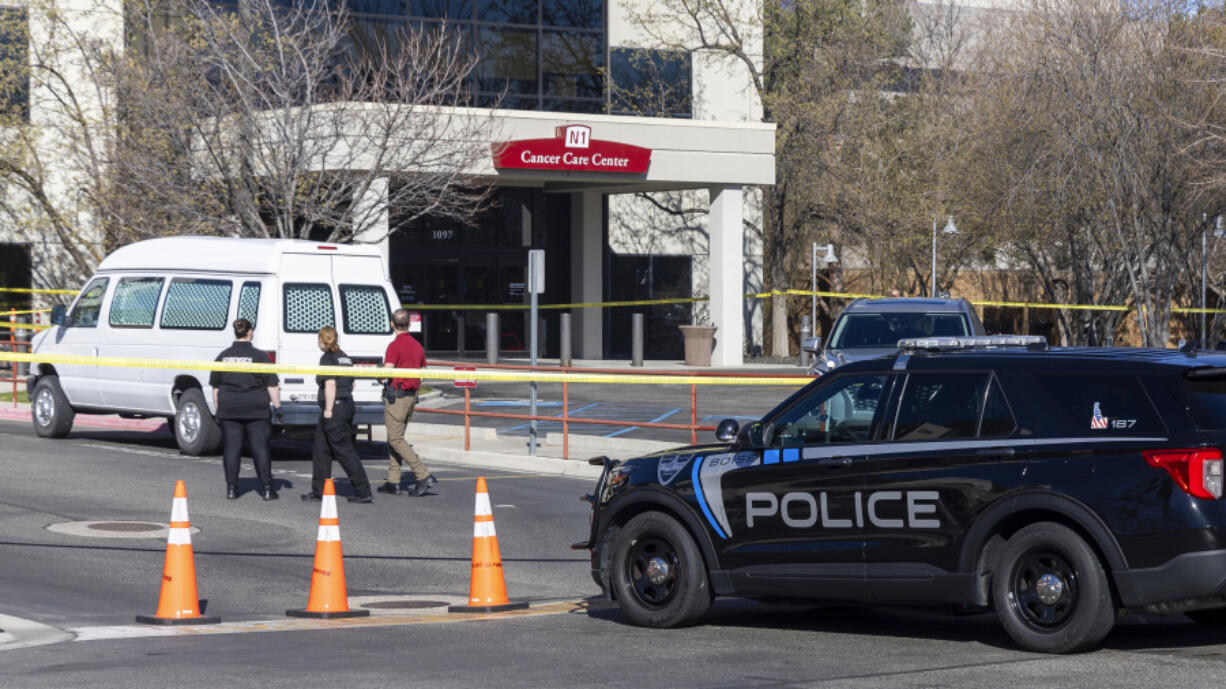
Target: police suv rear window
{"x": 1105, "y": 405}
{"x": 952, "y": 405}
{"x": 1207, "y": 402}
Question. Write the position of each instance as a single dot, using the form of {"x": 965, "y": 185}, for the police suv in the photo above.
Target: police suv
{"x": 1058, "y": 487}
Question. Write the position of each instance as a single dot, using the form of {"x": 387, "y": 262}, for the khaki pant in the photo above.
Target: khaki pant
{"x": 396, "y": 417}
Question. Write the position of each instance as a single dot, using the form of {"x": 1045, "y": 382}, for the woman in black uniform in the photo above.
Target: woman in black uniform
{"x": 241, "y": 401}
{"x": 333, "y": 437}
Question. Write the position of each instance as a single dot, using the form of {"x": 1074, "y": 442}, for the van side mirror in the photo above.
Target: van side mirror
{"x": 812, "y": 345}
{"x": 750, "y": 435}
{"x": 59, "y": 314}
{"x": 727, "y": 429}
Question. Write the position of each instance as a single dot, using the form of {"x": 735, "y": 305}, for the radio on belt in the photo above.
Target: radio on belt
{"x": 986, "y": 473}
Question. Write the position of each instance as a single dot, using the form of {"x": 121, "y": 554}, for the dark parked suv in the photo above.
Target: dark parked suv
{"x": 1059, "y": 487}
{"x": 869, "y": 328}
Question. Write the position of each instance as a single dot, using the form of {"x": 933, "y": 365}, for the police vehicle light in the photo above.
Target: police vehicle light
{"x": 981, "y": 342}
{"x": 1197, "y": 471}
{"x": 325, "y": 247}
{"x": 272, "y": 356}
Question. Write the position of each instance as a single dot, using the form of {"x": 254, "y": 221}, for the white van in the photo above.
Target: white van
{"x": 175, "y": 298}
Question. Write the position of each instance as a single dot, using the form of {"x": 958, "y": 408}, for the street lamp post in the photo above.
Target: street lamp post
{"x": 1219, "y": 230}
{"x": 828, "y": 260}
{"x": 950, "y": 229}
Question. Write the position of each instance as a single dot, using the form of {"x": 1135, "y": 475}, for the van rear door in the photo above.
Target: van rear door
{"x": 307, "y": 303}
{"x": 366, "y": 304}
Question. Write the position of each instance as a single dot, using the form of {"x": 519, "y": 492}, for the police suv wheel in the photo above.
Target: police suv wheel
{"x": 1051, "y": 592}
{"x": 196, "y": 432}
{"x": 1209, "y": 618}
{"x": 657, "y": 572}
{"x": 50, "y": 410}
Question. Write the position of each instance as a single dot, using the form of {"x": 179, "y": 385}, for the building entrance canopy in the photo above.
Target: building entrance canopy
{"x": 589, "y": 156}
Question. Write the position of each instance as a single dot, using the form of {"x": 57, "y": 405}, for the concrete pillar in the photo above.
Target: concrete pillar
{"x": 370, "y": 213}
{"x": 587, "y": 272}
{"x": 726, "y": 276}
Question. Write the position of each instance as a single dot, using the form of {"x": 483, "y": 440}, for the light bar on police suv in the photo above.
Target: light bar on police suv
{"x": 945, "y": 344}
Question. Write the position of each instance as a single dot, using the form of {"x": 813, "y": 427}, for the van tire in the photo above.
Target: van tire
{"x": 196, "y": 431}
{"x": 49, "y": 409}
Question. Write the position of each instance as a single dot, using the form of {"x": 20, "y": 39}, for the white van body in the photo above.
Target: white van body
{"x": 176, "y": 298}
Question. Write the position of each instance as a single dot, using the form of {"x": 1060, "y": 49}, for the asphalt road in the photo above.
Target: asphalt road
{"x": 253, "y": 562}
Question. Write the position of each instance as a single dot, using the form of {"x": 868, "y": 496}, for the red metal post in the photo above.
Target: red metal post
{"x": 565, "y": 420}
{"x": 13, "y": 347}
{"x": 467, "y": 419}
{"x": 693, "y": 413}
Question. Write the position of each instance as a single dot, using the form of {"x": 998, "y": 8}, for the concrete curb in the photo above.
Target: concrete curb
{"x": 18, "y": 633}
{"x": 482, "y": 459}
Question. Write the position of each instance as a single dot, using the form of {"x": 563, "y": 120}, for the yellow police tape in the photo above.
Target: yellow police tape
{"x": 369, "y": 372}
{"x": 545, "y": 307}
{"x": 17, "y": 325}
{"x": 21, "y": 312}
{"x": 29, "y": 290}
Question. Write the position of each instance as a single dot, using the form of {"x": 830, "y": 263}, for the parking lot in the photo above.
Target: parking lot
{"x": 407, "y": 556}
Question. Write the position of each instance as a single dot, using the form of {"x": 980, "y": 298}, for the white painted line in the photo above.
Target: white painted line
{"x": 19, "y": 633}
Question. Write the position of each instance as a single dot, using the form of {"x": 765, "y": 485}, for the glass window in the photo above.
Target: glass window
{"x": 1101, "y": 404}
{"x": 308, "y": 308}
{"x": 940, "y": 405}
{"x": 249, "y": 302}
{"x": 650, "y": 82}
{"x": 14, "y": 63}
{"x": 570, "y": 64}
{"x": 89, "y": 305}
{"x": 579, "y": 14}
{"x": 884, "y": 330}
{"x": 389, "y": 7}
{"x": 365, "y": 310}
{"x": 839, "y": 412}
{"x": 997, "y": 419}
{"x": 593, "y": 107}
{"x": 135, "y": 302}
{"x": 196, "y": 304}
{"x": 508, "y": 60}
{"x": 441, "y": 9}
{"x": 507, "y": 11}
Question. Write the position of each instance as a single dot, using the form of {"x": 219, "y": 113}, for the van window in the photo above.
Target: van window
{"x": 89, "y": 305}
{"x": 249, "y": 302}
{"x": 365, "y": 310}
{"x": 308, "y": 308}
{"x": 193, "y": 304}
{"x": 135, "y": 302}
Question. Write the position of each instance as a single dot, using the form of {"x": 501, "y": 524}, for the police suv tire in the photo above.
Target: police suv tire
{"x": 49, "y": 409}
{"x": 1209, "y": 618}
{"x": 682, "y": 593}
{"x": 1040, "y": 617}
{"x": 196, "y": 431}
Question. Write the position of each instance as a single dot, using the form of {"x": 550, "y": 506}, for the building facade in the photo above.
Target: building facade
{"x": 628, "y": 201}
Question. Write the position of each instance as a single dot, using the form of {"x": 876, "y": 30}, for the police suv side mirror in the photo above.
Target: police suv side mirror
{"x": 750, "y": 435}
{"x": 812, "y": 345}
{"x": 59, "y": 314}
{"x": 727, "y": 429}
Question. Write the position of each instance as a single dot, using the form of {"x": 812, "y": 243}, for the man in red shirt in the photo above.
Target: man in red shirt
{"x": 403, "y": 352}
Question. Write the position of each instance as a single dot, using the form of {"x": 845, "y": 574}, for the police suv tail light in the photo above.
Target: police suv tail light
{"x": 1197, "y": 471}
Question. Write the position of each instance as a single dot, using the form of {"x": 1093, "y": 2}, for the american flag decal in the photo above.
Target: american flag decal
{"x": 1099, "y": 422}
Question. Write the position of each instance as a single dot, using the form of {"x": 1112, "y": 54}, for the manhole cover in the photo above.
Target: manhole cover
{"x": 113, "y": 529}
{"x": 406, "y": 604}
{"x": 125, "y": 526}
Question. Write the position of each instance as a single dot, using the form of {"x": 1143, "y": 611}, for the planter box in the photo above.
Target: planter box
{"x": 699, "y": 344}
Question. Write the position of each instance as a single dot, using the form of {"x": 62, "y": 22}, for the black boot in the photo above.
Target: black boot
{"x": 389, "y": 488}
{"x": 268, "y": 493}
{"x": 231, "y": 491}
{"x": 423, "y": 486}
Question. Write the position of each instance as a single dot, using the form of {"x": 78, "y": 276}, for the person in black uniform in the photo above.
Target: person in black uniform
{"x": 333, "y": 435}
{"x": 242, "y": 400}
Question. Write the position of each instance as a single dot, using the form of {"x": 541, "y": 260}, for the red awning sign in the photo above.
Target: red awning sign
{"x": 574, "y": 150}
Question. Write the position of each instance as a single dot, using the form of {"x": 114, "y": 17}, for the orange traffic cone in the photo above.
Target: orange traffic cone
{"x": 487, "y": 590}
{"x": 178, "y": 603}
{"x": 328, "y": 599}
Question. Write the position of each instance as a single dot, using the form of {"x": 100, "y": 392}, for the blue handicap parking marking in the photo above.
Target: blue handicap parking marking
{"x": 514, "y": 403}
